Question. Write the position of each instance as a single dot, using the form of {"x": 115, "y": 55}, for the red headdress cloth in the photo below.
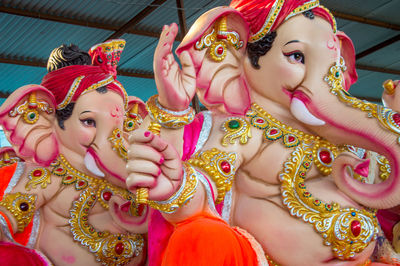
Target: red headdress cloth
{"x": 68, "y": 83}
{"x": 264, "y": 16}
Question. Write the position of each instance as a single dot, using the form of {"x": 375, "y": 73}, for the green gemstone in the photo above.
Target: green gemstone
{"x": 233, "y": 124}
{"x": 130, "y": 124}
{"x": 337, "y": 74}
{"x": 32, "y": 116}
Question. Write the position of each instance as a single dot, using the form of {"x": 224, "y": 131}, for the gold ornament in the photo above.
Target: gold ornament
{"x": 324, "y": 153}
{"x": 217, "y": 40}
{"x": 384, "y": 167}
{"x": 21, "y": 206}
{"x": 38, "y": 176}
{"x": 386, "y": 117}
{"x": 167, "y": 118}
{"x": 182, "y": 196}
{"x": 220, "y": 166}
{"x": 235, "y": 127}
{"x": 30, "y": 109}
{"x": 109, "y": 249}
{"x": 133, "y": 118}
{"x": 347, "y": 231}
{"x": 6, "y": 160}
{"x": 117, "y": 144}
{"x": 389, "y": 87}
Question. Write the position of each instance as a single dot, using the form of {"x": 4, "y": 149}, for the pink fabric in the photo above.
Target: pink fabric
{"x": 191, "y": 136}
{"x": 387, "y": 220}
{"x": 11, "y": 254}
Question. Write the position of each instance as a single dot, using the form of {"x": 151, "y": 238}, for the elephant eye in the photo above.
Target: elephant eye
{"x": 295, "y": 57}
{"x": 88, "y": 122}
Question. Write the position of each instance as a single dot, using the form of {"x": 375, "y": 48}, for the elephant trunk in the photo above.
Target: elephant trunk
{"x": 367, "y": 126}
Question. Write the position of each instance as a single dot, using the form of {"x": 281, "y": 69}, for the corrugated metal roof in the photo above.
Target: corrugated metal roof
{"x": 27, "y": 38}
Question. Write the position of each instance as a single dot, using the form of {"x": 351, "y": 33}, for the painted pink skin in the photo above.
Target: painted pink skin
{"x": 297, "y": 94}
{"x": 176, "y": 87}
{"x": 117, "y": 114}
{"x": 101, "y": 164}
{"x": 333, "y": 44}
{"x": 68, "y": 259}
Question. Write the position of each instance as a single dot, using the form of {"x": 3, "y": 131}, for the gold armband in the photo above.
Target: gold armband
{"x": 21, "y": 206}
{"x": 167, "y": 118}
{"x": 220, "y": 166}
{"x": 182, "y": 196}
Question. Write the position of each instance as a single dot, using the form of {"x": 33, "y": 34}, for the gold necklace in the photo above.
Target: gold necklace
{"x": 348, "y": 230}
{"x": 109, "y": 249}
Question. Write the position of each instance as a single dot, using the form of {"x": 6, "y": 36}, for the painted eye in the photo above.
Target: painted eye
{"x": 88, "y": 122}
{"x": 295, "y": 57}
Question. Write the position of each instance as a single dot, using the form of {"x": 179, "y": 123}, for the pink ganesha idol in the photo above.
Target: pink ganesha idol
{"x": 265, "y": 177}
{"x": 67, "y": 203}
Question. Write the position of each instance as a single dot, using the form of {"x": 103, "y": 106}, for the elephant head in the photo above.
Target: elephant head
{"x": 289, "y": 58}
{"x": 80, "y": 111}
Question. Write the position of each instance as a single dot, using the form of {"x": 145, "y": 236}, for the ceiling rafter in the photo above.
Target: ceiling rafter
{"x": 377, "y": 47}
{"x": 366, "y": 20}
{"x": 136, "y": 19}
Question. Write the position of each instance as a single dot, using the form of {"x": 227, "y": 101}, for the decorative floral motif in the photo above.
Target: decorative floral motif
{"x": 30, "y": 109}
{"x": 236, "y": 128}
{"x": 38, "y": 176}
{"x": 117, "y": 145}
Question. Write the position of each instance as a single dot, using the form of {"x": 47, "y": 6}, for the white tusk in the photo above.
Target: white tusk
{"x": 90, "y": 164}
{"x": 300, "y": 111}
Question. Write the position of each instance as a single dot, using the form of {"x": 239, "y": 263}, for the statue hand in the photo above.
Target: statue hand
{"x": 176, "y": 87}
{"x": 391, "y": 93}
{"x": 153, "y": 163}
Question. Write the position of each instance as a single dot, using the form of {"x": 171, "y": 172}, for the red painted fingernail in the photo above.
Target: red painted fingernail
{"x": 159, "y": 172}
{"x": 165, "y": 44}
{"x": 162, "y": 160}
{"x": 167, "y": 34}
{"x": 147, "y": 133}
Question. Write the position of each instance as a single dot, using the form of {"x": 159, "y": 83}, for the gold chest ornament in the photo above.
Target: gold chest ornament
{"x": 108, "y": 248}
{"x": 346, "y": 230}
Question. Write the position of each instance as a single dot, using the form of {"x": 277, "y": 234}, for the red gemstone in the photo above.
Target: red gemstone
{"x": 225, "y": 166}
{"x": 68, "y": 177}
{"x": 119, "y": 248}
{"x": 37, "y": 173}
{"x": 81, "y": 183}
{"x": 325, "y": 157}
{"x": 291, "y": 138}
{"x": 24, "y": 206}
{"x": 220, "y": 50}
{"x": 273, "y": 131}
{"x": 396, "y": 118}
{"x": 260, "y": 121}
{"x": 355, "y": 228}
{"x": 107, "y": 195}
{"x": 60, "y": 169}
{"x": 118, "y": 135}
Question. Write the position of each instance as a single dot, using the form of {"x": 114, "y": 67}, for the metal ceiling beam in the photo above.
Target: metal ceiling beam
{"x": 366, "y": 20}
{"x": 378, "y": 46}
{"x": 41, "y": 63}
{"x": 97, "y": 25}
{"x": 135, "y": 20}
{"x": 378, "y": 69}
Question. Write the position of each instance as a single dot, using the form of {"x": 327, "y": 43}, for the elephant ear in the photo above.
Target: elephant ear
{"x": 28, "y": 119}
{"x": 135, "y": 113}
{"x": 348, "y": 53}
{"x": 217, "y": 45}
{"x": 8, "y": 156}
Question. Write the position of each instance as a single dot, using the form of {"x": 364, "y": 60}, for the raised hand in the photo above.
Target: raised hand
{"x": 176, "y": 87}
{"x": 153, "y": 163}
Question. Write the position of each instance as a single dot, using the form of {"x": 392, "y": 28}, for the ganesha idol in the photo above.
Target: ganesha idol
{"x": 266, "y": 175}
{"x": 66, "y": 204}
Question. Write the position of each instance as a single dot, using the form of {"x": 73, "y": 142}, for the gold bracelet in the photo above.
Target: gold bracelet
{"x": 167, "y": 118}
{"x": 21, "y": 206}
{"x": 182, "y": 196}
{"x": 220, "y": 166}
